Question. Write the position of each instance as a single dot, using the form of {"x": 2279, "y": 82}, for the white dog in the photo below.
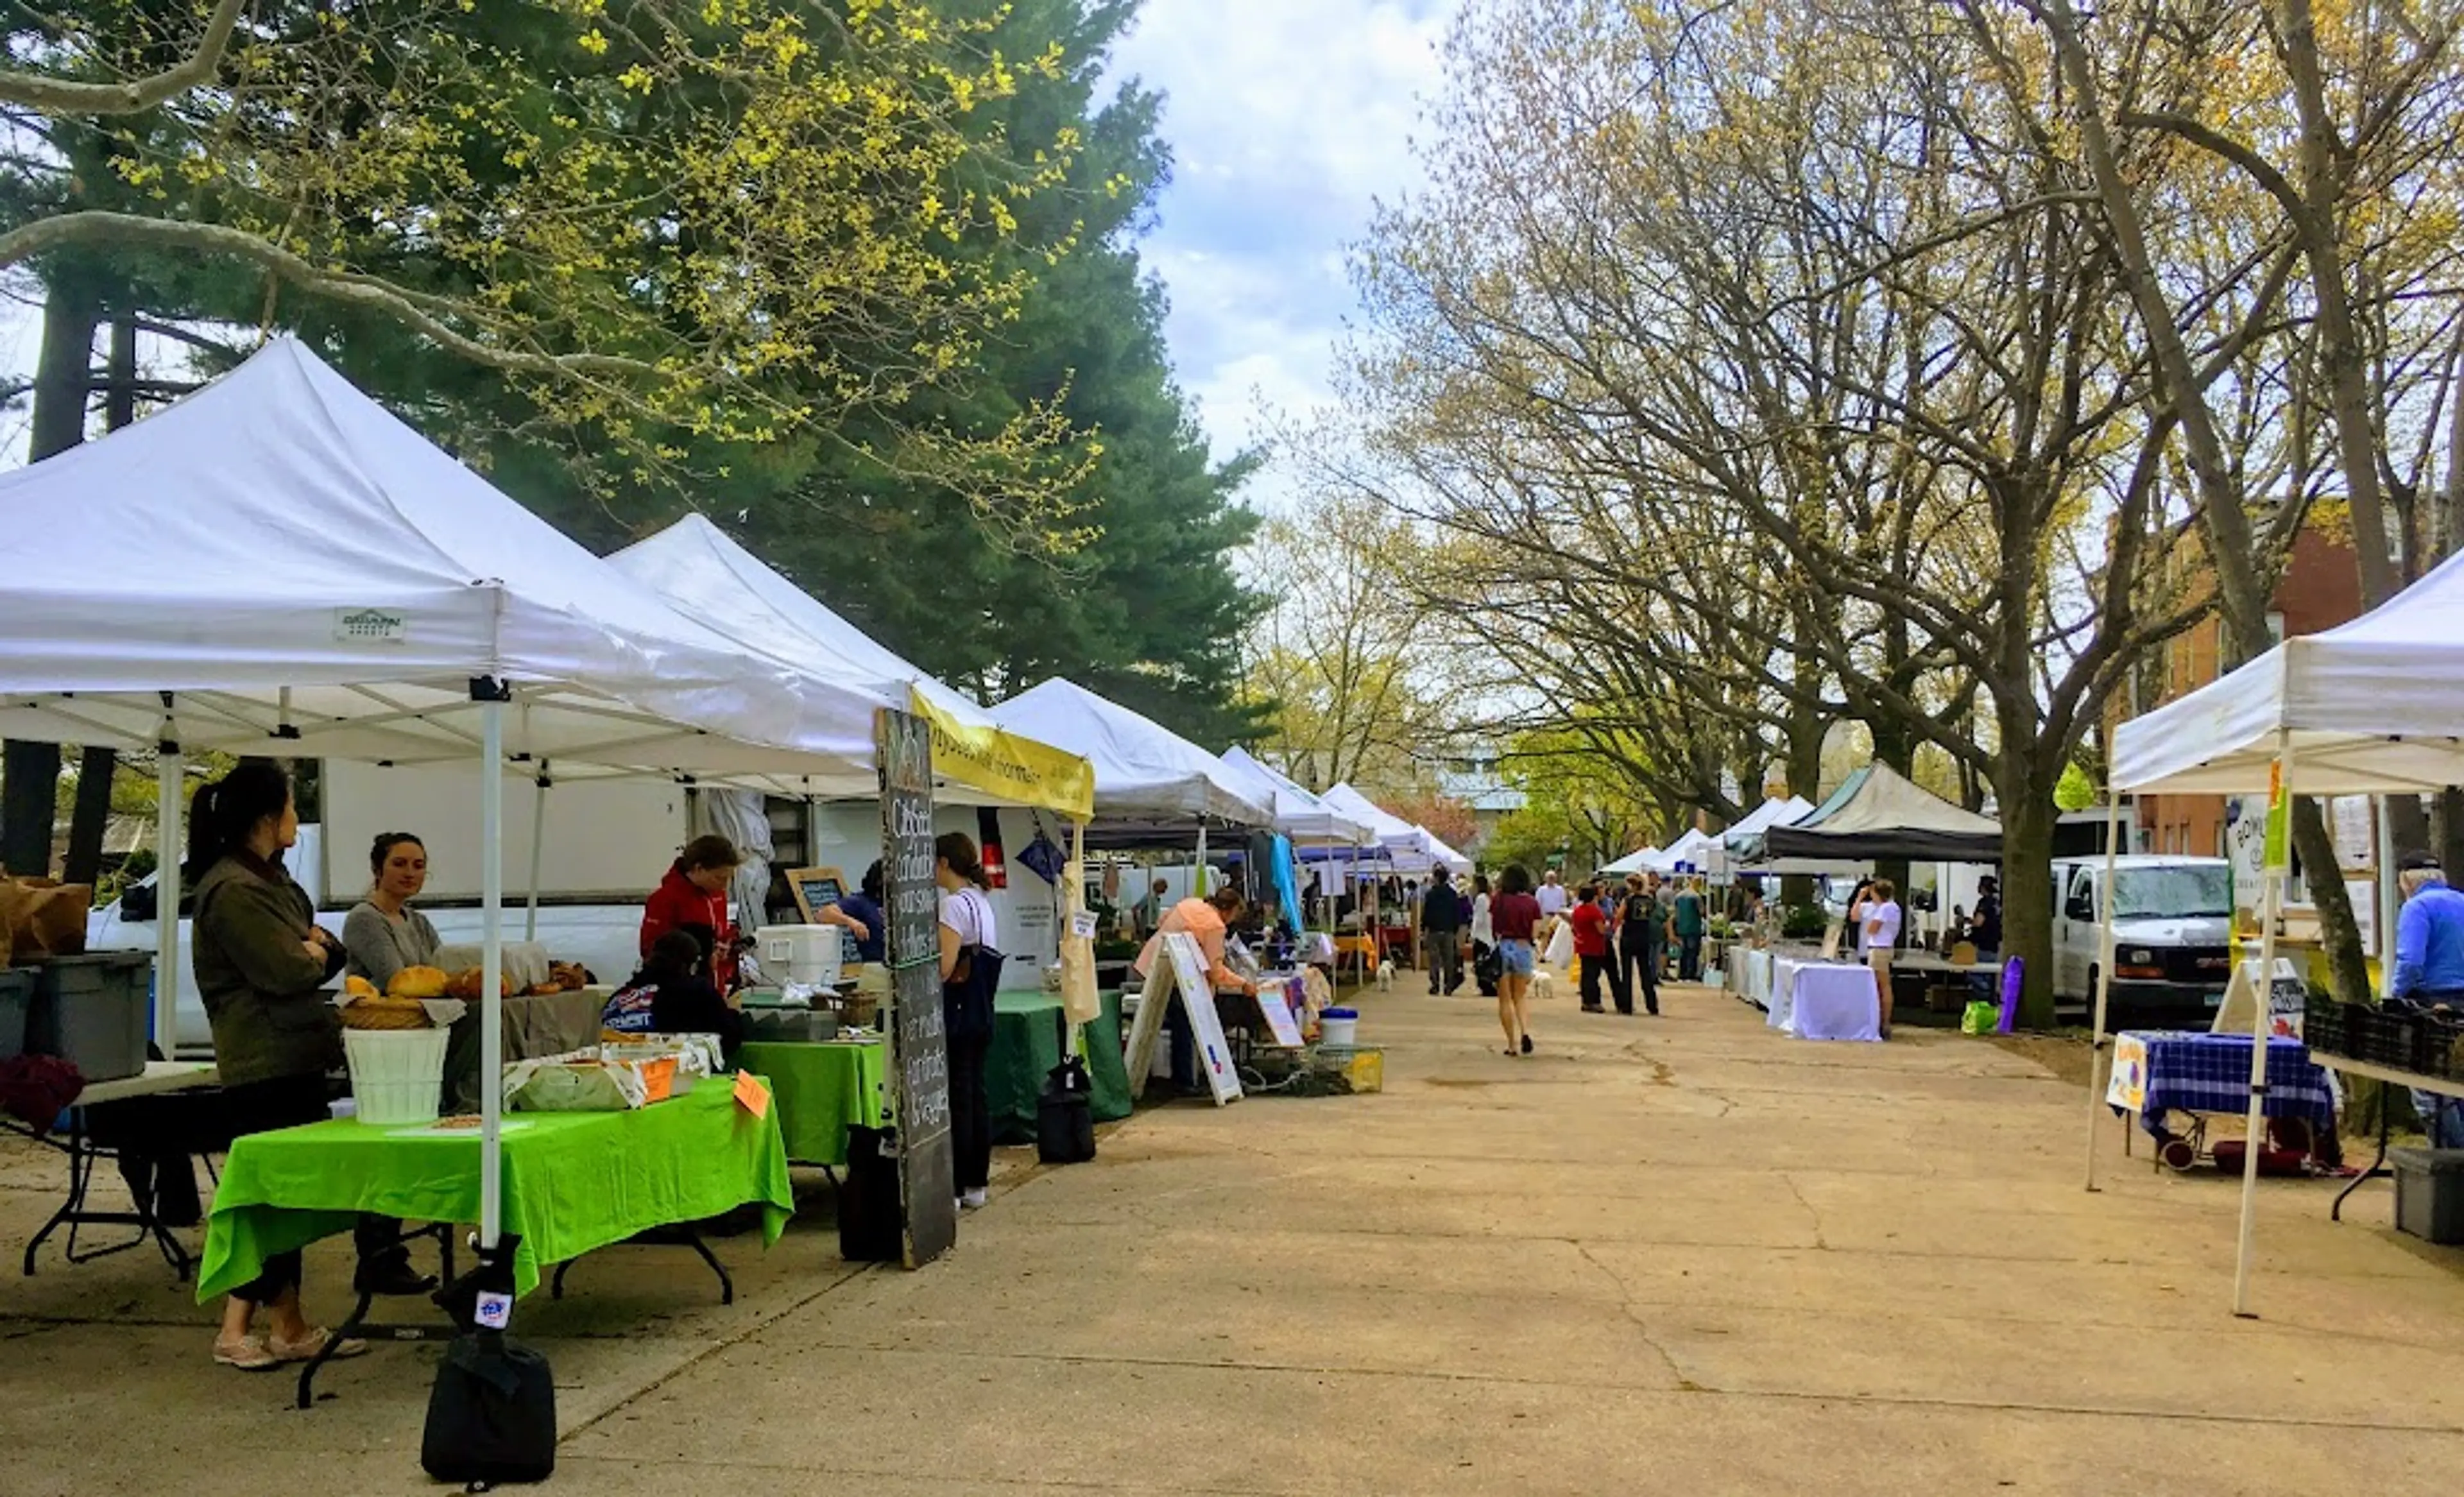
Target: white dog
{"x": 1385, "y": 977}
{"x": 1544, "y": 987}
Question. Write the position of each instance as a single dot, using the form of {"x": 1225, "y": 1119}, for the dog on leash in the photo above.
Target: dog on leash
{"x": 1385, "y": 977}
{"x": 1544, "y": 987}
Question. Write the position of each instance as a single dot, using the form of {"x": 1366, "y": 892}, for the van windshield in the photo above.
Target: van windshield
{"x": 2173, "y": 894}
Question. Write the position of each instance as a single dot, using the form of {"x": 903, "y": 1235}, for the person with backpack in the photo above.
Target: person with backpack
{"x": 1484, "y": 968}
{"x": 1640, "y": 943}
{"x": 1441, "y": 927}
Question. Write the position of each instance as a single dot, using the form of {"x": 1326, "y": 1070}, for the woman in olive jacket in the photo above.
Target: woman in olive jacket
{"x": 262, "y": 964}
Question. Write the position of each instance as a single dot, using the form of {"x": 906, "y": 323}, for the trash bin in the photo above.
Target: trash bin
{"x": 2430, "y": 1194}
{"x": 16, "y": 996}
{"x": 91, "y": 1011}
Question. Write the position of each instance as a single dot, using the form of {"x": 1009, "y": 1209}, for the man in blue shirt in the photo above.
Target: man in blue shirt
{"x": 2429, "y": 971}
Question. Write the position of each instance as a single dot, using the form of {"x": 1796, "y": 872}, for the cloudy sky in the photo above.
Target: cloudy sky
{"x": 1288, "y": 119}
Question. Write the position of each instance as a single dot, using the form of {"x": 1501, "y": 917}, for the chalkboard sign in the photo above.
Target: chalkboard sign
{"x": 919, "y": 1042}
{"x": 819, "y": 889}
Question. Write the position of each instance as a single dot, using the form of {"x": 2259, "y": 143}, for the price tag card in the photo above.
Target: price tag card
{"x": 1082, "y": 924}
{"x": 751, "y": 1094}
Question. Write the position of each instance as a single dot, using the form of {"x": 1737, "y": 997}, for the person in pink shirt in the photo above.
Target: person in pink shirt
{"x": 1210, "y": 922}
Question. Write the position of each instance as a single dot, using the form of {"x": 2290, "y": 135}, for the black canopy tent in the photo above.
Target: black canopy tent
{"x": 1878, "y": 813}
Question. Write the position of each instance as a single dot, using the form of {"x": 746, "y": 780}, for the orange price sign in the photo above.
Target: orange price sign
{"x": 751, "y": 1094}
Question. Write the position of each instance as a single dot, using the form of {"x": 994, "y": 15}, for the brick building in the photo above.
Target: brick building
{"x": 2321, "y": 588}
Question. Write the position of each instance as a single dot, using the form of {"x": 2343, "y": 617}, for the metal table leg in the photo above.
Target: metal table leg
{"x": 2378, "y": 1165}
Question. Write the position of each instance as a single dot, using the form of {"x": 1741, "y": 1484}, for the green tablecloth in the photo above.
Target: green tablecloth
{"x": 573, "y": 1182}
{"x": 1026, "y": 1043}
{"x": 822, "y": 1088}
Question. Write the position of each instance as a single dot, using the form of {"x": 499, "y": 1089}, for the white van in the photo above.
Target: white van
{"x": 2172, "y": 937}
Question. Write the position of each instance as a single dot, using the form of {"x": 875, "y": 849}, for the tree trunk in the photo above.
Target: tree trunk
{"x": 2449, "y": 843}
{"x": 2027, "y": 884}
{"x": 29, "y": 772}
{"x": 97, "y": 767}
{"x": 2349, "y": 972}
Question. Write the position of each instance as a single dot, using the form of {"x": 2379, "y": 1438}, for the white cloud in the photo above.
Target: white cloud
{"x": 1288, "y": 120}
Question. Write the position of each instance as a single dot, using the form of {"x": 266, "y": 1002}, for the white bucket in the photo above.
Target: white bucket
{"x": 396, "y": 1074}
{"x": 807, "y": 955}
{"x": 1338, "y": 1027}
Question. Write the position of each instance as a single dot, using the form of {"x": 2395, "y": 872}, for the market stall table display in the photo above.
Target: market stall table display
{"x": 1815, "y": 1000}
{"x": 1026, "y": 1045}
{"x": 536, "y": 1024}
{"x": 2411, "y": 1079}
{"x": 87, "y": 1137}
{"x": 818, "y": 1091}
{"x": 572, "y": 1183}
{"x": 2156, "y": 1073}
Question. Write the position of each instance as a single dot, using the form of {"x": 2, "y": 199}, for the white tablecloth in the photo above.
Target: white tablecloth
{"x": 1833, "y": 1000}
{"x": 1750, "y": 975}
{"x": 1780, "y": 1003}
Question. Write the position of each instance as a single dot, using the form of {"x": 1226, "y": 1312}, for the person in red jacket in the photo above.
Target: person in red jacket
{"x": 694, "y": 898}
{"x": 1589, "y": 919}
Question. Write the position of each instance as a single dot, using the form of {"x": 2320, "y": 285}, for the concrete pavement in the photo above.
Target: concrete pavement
{"x": 1679, "y": 1254}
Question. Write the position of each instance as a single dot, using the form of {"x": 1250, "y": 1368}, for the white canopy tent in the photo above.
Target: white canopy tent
{"x": 1774, "y": 812}
{"x": 1299, "y": 815}
{"x": 1149, "y": 779}
{"x": 1694, "y": 847}
{"x": 1408, "y": 848}
{"x": 2369, "y": 708}
{"x": 1441, "y": 855}
{"x": 277, "y": 565}
{"x": 704, "y": 573}
{"x": 1634, "y": 862}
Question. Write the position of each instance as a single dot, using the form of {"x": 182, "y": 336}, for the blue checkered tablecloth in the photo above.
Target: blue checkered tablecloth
{"x": 2210, "y": 1073}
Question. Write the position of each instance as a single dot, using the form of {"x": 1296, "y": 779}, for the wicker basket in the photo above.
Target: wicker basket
{"x": 385, "y": 1013}
{"x": 859, "y": 1010}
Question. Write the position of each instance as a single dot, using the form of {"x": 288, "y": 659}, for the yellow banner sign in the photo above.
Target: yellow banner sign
{"x": 1020, "y": 771}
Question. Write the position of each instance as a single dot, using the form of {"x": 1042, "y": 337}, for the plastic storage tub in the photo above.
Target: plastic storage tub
{"x": 396, "y": 1074}
{"x": 1338, "y": 1028}
{"x": 2430, "y": 1194}
{"x": 92, "y": 1011}
{"x": 16, "y": 996}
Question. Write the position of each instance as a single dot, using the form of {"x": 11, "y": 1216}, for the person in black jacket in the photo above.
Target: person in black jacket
{"x": 672, "y": 994}
{"x": 1442, "y": 925}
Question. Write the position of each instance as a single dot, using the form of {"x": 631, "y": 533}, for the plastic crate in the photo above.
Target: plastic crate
{"x": 2384, "y": 1036}
{"x": 16, "y": 997}
{"x": 2437, "y": 1053}
{"x": 93, "y": 1012}
{"x": 2324, "y": 1027}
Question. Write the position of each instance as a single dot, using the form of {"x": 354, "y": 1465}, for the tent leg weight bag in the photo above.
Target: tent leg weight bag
{"x": 870, "y": 1219}
{"x": 492, "y": 1415}
{"x": 1064, "y": 1115}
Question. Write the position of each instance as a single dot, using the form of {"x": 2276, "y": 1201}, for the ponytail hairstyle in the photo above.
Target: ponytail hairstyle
{"x": 223, "y": 814}
{"x": 958, "y": 850}
{"x": 1229, "y": 903}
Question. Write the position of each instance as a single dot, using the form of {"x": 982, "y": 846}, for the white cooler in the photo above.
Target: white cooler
{"x": 807, "y": 955}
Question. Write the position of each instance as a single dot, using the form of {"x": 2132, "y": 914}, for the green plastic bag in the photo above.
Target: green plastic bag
{"x": 1980, "y": 1018}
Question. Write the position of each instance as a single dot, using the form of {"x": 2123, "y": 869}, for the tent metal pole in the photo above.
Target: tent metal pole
{"x": 169, "y": 771}
{"x": 539, "y": 847}
{"x": 492, "y": 966}
{"x": 2099, "y": 1060}
{"x": 1202, "y": 891}
{"x": 2271, "y": 916}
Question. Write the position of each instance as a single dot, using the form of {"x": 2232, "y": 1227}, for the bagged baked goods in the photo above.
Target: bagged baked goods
{"x": 470, "y": 984}
{"x": 578, "y": 1083}
{"x": 418, "y": 982}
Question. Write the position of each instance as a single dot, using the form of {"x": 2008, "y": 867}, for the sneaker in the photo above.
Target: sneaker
{"x": 973, "y": 1200}
{"x": 308, "y": 1346}
{"x": 247, "y": 1353}
{"x": 1526, "y": 1044}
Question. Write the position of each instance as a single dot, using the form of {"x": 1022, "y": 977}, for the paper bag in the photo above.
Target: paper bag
{"x": 42, "y": 918}
{"x": 1079, "y": 1000}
